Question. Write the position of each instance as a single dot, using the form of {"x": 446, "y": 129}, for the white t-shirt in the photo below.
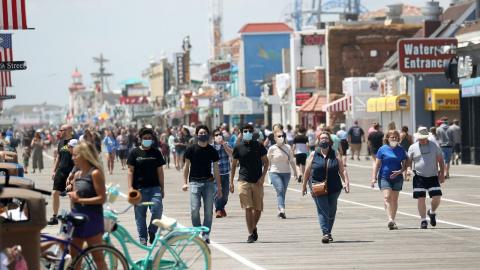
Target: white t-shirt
{"x": 279, "y": 161}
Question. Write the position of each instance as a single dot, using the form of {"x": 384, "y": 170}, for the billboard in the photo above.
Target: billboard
{"x": 425, "y": 55}
{"x": 262, "y": 59}
{"x": 180, "y": 69}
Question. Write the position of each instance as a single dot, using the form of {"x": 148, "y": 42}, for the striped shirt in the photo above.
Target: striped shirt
{"x": 224, "y": 162}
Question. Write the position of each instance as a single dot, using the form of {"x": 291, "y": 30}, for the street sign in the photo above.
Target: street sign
{"x": 13, "y": 65}
{"x": 425, "y": 55}
{"x": 8, "y": 97}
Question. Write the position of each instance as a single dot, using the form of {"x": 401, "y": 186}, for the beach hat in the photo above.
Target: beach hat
{"x": 422, "y": 133}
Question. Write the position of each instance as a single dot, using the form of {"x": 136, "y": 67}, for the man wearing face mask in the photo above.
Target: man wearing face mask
{"x": 252, "y": 157}
{"x": 145, "y": 173}
{"x": 224, "y": 153}
{"x": 197, "y": 176}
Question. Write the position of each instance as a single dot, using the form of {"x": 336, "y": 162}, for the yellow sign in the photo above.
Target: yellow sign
{"x": 381, "y": 104}
{"x": 372, "y": 105}
{"x": 442, "y": 99}
{"x": 394, "y": 103}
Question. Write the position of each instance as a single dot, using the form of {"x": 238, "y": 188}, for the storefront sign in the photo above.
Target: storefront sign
{"x": 309, "y": 40}
{"x": 219, "y": 71}
{"x": 8, "y": 97}
{"x": 471, "y": 87}
{"x": 464, "y": 67}
{"x": 442, "y": 99}
{"x": 395, "y": 103}
{"x": 301, "y": 98}
{"x": 425, "y": 55}
{"x": 134, "y": 100}
{"x": 242, "y": 105}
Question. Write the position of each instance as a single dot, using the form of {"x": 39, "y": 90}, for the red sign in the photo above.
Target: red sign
{"x": 134, "y": 100}
{"x": 427, "y": 55}
{"x": 301, "y": 98}
{"x": 308, "y": 40}
{"x": 219, "y": 72}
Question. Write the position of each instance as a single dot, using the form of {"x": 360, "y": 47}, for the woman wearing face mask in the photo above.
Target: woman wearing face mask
{"x": 324, "y": 160}
{"x": 145, "y": 173}
{"x": 388, "y": 171}
{"x": 280, "y": 156}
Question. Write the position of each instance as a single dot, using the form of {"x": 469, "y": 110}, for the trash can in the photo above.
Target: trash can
{"x": 22, "y": 217}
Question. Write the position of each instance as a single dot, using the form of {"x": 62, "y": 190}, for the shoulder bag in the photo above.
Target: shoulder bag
{"x": 321, "y": 188}
{"x": 283, "y": 150}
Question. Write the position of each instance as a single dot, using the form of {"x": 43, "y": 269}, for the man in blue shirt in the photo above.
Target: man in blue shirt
{"x": 224, "y": 153}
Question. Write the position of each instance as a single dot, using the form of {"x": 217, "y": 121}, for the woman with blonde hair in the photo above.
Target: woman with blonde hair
{"x": 88, "y": 197}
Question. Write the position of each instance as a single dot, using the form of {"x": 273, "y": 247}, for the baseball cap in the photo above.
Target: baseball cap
{"x": 72, "y": 143}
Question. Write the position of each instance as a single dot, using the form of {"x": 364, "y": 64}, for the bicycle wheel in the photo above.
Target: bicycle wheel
{"x": 109, "y": 256}
{"x": 193, "y": 254}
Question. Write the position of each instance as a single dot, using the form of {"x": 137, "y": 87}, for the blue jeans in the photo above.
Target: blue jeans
{"x": 280, "y": 183}
{"x": 149, "y": 194}
{"x": 198, "y": 191}
{"x": 222, "y": 201}
{"x": 326, "y": 210}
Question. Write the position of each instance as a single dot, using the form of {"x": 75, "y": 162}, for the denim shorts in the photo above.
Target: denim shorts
{"x": 393, "y": 184}
{"x": 447, "y": 153}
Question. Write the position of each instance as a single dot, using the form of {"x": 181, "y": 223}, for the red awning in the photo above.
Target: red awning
{"x": 313, "y": 104}
{"x": 339, "y": 105}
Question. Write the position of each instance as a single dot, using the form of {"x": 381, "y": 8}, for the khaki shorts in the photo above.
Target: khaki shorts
{"x": 251, "y": 195}
{"x": 355, "y": 147}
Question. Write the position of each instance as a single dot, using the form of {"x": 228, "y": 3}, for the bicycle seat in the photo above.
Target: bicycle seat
{"x": 76, "y": 219}
{"x": 165, "y": 223}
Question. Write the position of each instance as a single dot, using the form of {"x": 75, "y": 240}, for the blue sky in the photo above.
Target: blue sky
{"x": 68, "y": 33}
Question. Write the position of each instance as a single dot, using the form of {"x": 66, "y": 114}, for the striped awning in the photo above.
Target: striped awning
{"x": 339, "y": 105}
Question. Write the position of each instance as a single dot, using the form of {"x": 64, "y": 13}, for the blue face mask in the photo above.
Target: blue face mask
{"x": 147, "y": 143}
{"x": 247, "y": 136}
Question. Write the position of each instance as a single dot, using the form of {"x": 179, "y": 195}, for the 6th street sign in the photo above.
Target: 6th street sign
{"x": 425, "y": 55}
{"x": 14, "y": 65}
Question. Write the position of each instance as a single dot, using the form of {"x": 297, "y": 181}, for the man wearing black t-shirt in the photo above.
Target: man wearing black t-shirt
{"x": 145, "y": 173}
{"x": 61, "y": 169}
{"x": 252, "y": 157}
{"x": 356, "y": 136}
{"x": 375, "y": 141}
{"x": 199, "y": 158}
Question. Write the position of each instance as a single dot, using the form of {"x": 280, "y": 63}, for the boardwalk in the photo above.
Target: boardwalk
{"x": 362, "y": 240}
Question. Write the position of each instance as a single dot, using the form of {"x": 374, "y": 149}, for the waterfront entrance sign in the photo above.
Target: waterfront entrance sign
{"x": 425, "y": 55}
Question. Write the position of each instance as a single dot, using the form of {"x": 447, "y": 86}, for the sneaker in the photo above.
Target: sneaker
{"x": 282, "y": 215}
{"x": 299, "y": 179}
{"x": 330, "y": 238}
{"x": 143, "y": 241}
{"x": 255, "y": 235}
{"x": 206, "y": 238}
{"x": 325, "y": 239}
{"x": 423, "y": 224}
{"x": 151, "y": 237}
{"x": 218, "y": 214}
{"x": 53, "y": 221}
{"x": 392, "y": 226}
{"x": 224, "y": 213}
{"x": 251, "y": 238}
{"x": 433, "y": 218}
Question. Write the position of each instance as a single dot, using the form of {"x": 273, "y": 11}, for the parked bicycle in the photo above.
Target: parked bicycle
{"x": 55, "y": 249}
{"x": 174, "y": 247}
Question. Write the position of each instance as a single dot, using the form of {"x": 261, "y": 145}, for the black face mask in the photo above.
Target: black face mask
{"x": 324, "y": 145}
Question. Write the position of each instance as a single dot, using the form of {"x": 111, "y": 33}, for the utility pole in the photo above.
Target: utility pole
{"x": 101, "y": 76}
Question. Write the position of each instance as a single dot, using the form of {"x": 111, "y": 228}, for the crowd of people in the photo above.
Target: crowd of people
{"x": 211, "y": 159}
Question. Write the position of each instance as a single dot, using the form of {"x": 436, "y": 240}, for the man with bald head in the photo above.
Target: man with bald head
{"x": 61, "y": 169}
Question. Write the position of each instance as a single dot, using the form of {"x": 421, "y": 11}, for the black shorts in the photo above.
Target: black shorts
{"x": 122, "y": 154}
{"x": 457, "y": 148}
{"x": 423, "y": 184}
{"x": 60, "y": 181}
{"x": 301, "y": 159}
{"x": 343, "y": 147}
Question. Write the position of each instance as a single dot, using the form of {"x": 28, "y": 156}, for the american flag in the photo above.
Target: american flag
{"x": 13, "y": 15}
{"x": 6, "y": 55}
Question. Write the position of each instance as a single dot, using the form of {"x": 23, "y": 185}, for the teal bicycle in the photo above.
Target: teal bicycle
{"x": 174, "y": 247}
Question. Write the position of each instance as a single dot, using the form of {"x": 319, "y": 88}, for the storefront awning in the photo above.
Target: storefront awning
{"x": 313, "y": 104}
{"x": 442, "y": 99}
{"x": 339, "y": 105}
{"x": 372, "y": 105}
{"x": 395, "y": 103}
{"x": 381, "y": 104}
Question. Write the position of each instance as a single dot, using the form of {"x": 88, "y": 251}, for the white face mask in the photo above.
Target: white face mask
{"x": 279, "y": 141}
{"x": 393, "y": 143}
